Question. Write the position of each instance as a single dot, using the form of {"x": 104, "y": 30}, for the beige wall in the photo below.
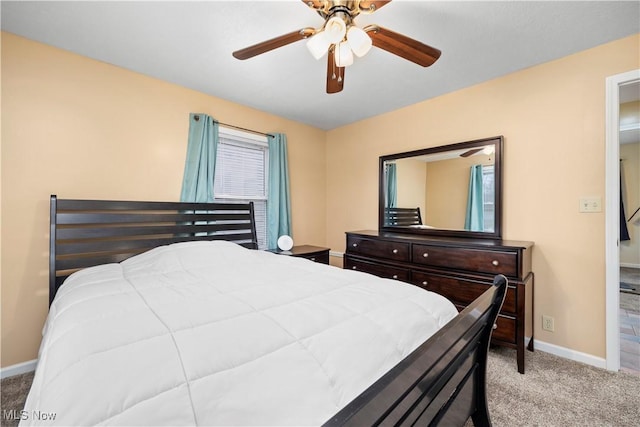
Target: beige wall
{"x": 79, "y": 128}
{"x": 414, "y": 172}
{"x": 630, "y": 168}
{"x": 448, "y": 191}
{"x": 552, "y": 117}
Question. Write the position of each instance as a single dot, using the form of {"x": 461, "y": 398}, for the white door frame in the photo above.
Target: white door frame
{"x": 612, "y": 213}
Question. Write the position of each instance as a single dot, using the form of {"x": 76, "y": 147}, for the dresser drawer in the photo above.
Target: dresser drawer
{"x": 378, "y": 248}
{"x": 321, "y": 257}
{"x": 483, "y": 261}
{"x": 379, "y": 270}
{"x": 459, "y": 290}
{"x": 506, "y": 329}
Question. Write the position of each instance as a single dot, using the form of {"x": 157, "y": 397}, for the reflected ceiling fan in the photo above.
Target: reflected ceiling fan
{"x": 488, "y": 150}
{"x": 340, "y": 38}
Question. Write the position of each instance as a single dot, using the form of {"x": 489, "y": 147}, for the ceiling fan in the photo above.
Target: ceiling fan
{"x": 340, "y": 38}
{"x": 488, "y": 150}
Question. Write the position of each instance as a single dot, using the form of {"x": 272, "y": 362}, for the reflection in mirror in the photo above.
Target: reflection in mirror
{"x": 452, "y": 188}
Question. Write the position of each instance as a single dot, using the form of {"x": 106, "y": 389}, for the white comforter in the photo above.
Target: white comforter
{"x": 211, "y": 333}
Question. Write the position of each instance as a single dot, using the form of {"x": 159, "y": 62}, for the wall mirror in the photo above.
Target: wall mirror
{"x": 451, "y": 190}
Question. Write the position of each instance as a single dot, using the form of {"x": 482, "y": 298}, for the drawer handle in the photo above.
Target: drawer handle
{"x": 355, "y": 245}
{"x": 495, "y": 263}
{"x": 424, "y": 255}
{"x": 395, "y": 251}
{"x": 313, "y": 259}
{"x": 425, "y": 283}
{"x": 395, "y": 276}
{"x": 354, "y": 267}
{"x": 495, "y": 327}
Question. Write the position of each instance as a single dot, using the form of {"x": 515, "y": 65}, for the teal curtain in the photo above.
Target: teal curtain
{"x": 278, "y": 201}
{"x": 392, "y": 186}
{"x": 200, "y": 166}
{"x": 474, "y": 220}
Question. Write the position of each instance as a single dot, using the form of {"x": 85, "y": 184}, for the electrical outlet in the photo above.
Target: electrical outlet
{"x": 547, "y": 323}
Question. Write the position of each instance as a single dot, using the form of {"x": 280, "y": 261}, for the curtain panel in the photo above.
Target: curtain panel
{"x": 278, "y": 201}
{"x": 474, "y": 219}
{"x": 200, "y": 164}
{"x": 392, "y": 186}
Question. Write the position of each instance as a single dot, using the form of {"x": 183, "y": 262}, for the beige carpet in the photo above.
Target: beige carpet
{"x": 558, "y": 392}
{"x": 552, "y": 392}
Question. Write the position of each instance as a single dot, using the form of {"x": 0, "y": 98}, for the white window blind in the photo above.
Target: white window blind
{"x": 488, "y": 186}
{"x": 241, "y": 174}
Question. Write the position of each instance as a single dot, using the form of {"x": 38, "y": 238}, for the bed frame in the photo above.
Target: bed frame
{"x": 442, "y": 382}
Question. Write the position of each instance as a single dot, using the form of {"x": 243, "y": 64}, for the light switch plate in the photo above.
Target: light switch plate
{"x": 590, "y": 204}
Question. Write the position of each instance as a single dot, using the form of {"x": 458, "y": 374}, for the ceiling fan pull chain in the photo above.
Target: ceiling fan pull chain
{"x": 335, "y": 62}
{"x": 333, "y": 66}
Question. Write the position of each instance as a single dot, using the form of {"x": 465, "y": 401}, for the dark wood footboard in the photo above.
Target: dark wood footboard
{"x": 442, "y": 382}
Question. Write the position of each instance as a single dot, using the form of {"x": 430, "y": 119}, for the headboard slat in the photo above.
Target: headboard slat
{"x": 122, "y": 230}
{"x": 146, "y": 217}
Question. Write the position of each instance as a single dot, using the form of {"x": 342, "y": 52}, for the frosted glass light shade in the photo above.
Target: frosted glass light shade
{"x": 285, "y": 242}
{"x": 318, "y": 45}
{"x": 335, "y": 29}
{"x": 359, "y": 41}
{"x": 343, "y": 55}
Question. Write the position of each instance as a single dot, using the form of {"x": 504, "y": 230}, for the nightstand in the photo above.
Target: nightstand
{"x": 314, "y": 253}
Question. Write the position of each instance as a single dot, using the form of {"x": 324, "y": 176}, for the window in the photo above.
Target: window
{"x": 241, "y": 174}
{"x": 488, "y": 195}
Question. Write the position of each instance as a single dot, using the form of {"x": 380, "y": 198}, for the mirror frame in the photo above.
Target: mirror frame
{"x": 498, "y": 155}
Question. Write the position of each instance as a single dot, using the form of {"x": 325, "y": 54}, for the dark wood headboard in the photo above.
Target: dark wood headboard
{"x": 84, "y": 233}
{"x": 402, "y": 216}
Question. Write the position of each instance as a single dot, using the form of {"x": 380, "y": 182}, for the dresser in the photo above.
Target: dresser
{"x": 460, "y": 269}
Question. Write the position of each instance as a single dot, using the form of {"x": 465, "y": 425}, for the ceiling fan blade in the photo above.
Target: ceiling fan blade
{"x": 371, "y": 6}
{"x": 403, "y": 46}
{"x": 335, "y": 74}
{"x": 266, "y": 46}
{"x": 471, "y": 152}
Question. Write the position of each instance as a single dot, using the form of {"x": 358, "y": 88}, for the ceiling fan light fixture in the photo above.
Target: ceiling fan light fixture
{"x": 489, "y": 150}
{"x": 359, "y": 41}
{"x": 318, "y": 45}
{"x": 335, "y": 29}
{"x": 344, "y": 57}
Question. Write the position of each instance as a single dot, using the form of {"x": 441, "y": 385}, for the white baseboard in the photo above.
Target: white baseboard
{"x": 17, "y": 369}
{"x": 336, "y": 253}
{"x": 627, "y": 265}
{"x": 566, "y": 353}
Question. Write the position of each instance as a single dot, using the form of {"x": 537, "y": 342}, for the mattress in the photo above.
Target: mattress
{"x": 211, "y": 333}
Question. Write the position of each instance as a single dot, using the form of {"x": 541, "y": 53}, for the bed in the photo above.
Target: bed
{"x": 166, "y": 314}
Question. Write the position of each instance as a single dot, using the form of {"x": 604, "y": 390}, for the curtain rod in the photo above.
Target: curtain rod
{"x": 239, "y": 128}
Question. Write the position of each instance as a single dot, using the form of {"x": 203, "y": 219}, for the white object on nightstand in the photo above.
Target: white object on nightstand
{"x": 285, "y": 242}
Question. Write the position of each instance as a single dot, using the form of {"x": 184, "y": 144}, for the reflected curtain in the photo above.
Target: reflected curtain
{"x": 278, "y": 201}
{"x": 474, "y": 219}
{"x": 391, "y": 186}
{"x": 624, "y": 231}
{"x": 200, "y": 165}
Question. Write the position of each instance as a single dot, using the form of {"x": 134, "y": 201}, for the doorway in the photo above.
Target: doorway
{"x": 614, "y": 86}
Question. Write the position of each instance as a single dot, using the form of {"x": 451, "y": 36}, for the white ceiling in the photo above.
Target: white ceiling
{"x": 190, "y": 44}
